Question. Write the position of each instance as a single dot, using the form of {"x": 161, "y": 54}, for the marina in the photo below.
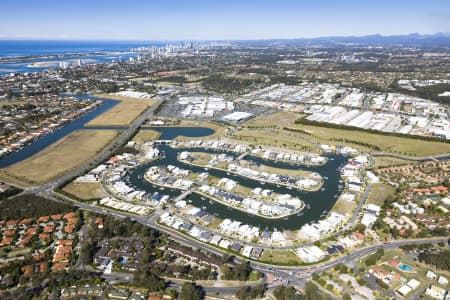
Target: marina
{"x": 315, "y": 202}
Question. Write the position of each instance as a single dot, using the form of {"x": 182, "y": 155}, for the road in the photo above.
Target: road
{"x": 418, "y": 158}
{"x": 127, "y": 277}
{"x": 293, "y": 274}
{"x": 358, "y": 208}
{"x": 151, "y": 221}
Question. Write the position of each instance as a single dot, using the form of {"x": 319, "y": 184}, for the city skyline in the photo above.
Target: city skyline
{"x": 231, "y": 20}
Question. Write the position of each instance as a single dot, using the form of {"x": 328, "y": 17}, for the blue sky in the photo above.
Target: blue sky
{"x": 214, "y": 19}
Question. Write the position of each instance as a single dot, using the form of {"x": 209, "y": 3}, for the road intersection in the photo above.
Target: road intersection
{"x": 296, "y": 275}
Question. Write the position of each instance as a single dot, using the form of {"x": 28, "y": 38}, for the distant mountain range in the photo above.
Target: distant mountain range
{"x": 413, "y": 40}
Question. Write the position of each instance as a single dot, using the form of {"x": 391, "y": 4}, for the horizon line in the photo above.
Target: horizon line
{"x": 444, "y": 34}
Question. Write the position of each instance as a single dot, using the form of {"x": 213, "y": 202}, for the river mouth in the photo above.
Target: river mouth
{"x": 318, "y": 203}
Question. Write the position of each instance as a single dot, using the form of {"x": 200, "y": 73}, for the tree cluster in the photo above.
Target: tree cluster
{"x": 31, "y": 206}
{"x": 440, "y": 260}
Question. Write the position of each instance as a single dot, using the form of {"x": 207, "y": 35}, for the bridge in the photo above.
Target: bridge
{"x": 183, "y": 196}
{"x": 162, "y": 142}
{"x": 242, "y": 156}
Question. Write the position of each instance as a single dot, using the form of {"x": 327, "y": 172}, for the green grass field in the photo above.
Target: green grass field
{"x": 390, "y": 144}
{"x": 60, "y": 157}
{"x": 85, "y": 190}
{"x": 280, "y": 257}
{"x": 379, "y": 193}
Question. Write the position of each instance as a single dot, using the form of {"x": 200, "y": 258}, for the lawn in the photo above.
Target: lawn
{"x": 214, "y": 223}
{"x": 391, "y": 144}
{"x": 344, "y": 206}
{"x": 60, "y": 157}
{"x": 282, "y": 118}
{"x": 85, "y": 190}
{"x": 202, "y": 159}
{"x": 379, "y": 193}
{"x": 279, "y": 171}
{"x": 273, "y": 137}
{"x": 122, "y": 114}
{"x": 146, "y": 135}
{"x": 280, "y": 257}
{"x": 386, "y": 161}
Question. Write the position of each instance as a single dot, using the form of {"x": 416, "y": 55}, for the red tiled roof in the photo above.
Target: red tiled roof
{"x": 43, "y": 219}
{"x": 56, "y": 217}
{"x": 26, "y": 221}
{"x": 43, "y": 267}
{"x": 38, "y": 256}
{"x": 49, "y": 228}
{"x": 31, "y": 230}
{"x": 60, "y": 266}
{"x": 27, "y": 270}
{"x": 69, "y": 228}
{"x": 9, "y": 232}
{"x": 70, "y": 215}
{"x": 11, "y": 223}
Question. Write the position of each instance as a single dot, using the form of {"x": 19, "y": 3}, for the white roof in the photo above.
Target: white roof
{"x": 413, "y": 283}
{"x": 404, "y": 290}
{"x": 237, "y": 115}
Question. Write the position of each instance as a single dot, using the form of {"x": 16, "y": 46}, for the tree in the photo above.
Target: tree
{"x": 346, "y": 297}
{"x": 243, "y": 270}
{"x": 242, "y": 292}
{"x": 373, "y": 259}
{"x": 172, "y": 293}
{"x": 239, "y": 272}
{"x": 360, "y": 228}
{"x": 287, "y": 293}
{"x": 312, "y": 292}
{"x": 440, "y": 260}
{"x": 258, "y": 291}
{"x": 190, "y": 291}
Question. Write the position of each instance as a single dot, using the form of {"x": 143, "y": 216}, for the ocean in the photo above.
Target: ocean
{"x": 13, "y": 48}
{"x": 34, "y": 48}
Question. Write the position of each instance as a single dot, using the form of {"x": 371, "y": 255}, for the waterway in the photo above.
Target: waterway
{"x": 41, "y": 143}
{"x": 318, "y": 203}
{"x": 92, "y": 52}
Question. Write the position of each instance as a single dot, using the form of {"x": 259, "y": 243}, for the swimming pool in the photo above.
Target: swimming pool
{"x": 405, "y": 267}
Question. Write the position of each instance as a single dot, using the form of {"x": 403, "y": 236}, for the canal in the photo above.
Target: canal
{"x": 44, "y": 141}
{"x": 317, "y": 203}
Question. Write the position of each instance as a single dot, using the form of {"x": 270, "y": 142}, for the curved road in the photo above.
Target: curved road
{"x": 291, "y": 272}
{"x": 420, "y": 158}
